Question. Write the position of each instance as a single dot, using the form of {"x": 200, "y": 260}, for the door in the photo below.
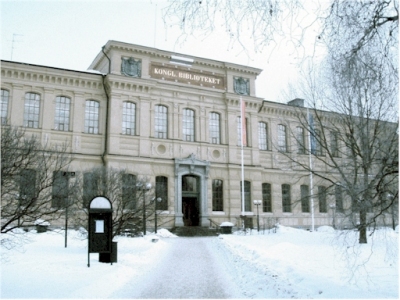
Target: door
{"x": 190, "y": 211}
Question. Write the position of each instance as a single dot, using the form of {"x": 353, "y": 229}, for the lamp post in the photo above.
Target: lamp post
{"x": 155, "y": 212}
{"x": 145, "y": 187}
{"x": 333, "y": 206}
{"x": 257, "y": 203}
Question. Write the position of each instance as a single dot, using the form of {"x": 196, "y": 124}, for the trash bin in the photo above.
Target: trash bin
{"x": 226, "y": 227}
{"x": 110, "y": 257}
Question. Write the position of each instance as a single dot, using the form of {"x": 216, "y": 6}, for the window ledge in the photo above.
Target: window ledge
{"x": 218, "y": 213}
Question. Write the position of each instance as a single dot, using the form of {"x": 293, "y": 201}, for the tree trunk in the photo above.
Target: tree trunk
{"x": 363, "y": 228}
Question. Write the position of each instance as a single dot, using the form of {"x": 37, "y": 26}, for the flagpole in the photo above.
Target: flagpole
{"x": 242, "y": 117}
{"x": 311, "y": 169}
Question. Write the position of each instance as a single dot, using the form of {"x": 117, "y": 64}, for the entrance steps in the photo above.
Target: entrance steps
{"x": 187, "y": 231}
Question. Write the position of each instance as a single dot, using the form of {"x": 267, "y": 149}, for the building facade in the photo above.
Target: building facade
{"x": 176, "y": 120}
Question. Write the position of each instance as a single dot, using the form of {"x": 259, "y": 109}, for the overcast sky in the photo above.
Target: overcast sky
{"x": 69, "y": 34}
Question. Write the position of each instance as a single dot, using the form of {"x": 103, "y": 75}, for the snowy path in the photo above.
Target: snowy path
{"x": 191, "y": 268}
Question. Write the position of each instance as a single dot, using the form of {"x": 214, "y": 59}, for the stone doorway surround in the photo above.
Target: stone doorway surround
{"x": 200, "y": 168}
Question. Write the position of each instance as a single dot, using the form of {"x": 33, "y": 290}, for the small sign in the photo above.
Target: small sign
{"x": 99, "y": 226}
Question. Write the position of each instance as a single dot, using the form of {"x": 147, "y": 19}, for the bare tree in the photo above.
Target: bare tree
{"x": 28, "y": 181}
{"x": 133, "y": 203}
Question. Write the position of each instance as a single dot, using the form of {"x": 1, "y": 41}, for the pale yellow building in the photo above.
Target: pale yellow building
{"x": 174, "y": 119}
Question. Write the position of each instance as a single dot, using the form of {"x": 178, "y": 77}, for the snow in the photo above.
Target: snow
{"x": 287, "y": 263}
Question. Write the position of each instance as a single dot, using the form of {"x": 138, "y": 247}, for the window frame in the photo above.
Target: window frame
{"x": 322, "y": 196}
{"x": 247, "y": 195}
{"x": 92, "y": 116}
{"x": 5, "y": 100}
{"x": 286, "y": 198}
{"x": 305, "y": 198}
{"x": 129, "y": 189}
{"x": 215, "y": 128}
{"x": 162, "y": 190}
{"x": 188, "y": 125}
{"x": 32, "y": 110}
{"x": 266, "y": 197}
{"x": 128, "y": 118}
{"x": 217, "y": 195}
{"x": 161, "y": 121}
{"x": 300, "y": 139}
{"x": 262, "y": 136}
{"x": 62, "y": 113}
{"x": 282, "y": 138}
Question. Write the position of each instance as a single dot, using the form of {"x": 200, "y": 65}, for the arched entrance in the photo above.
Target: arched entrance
{"x": 190, "y": 200}
{"x": 191, "y": 175}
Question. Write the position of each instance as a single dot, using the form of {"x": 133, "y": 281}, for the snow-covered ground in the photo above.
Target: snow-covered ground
{"x": 290, "y": 263}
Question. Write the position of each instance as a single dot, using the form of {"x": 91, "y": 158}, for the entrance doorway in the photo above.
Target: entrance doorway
{"x": 190, "y": 211}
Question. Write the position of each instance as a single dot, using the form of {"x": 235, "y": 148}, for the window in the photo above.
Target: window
{"x": 90, "y": 187}
{"x": 188, "y": 125}
{"x": 214, "y": 128}
{"x": 262, "y": 136}
{"x": 247, "y": 195}
{"x": 5, "y": 96}
{"x": 92, "y": 117}
{"x": 300, "y": 138}
{"x": 61, "y": 120}
{"x": 286, "y": 200}
{"x": 162, "y": 192}
{"x": 267, "y": 197}
{"x": 60, "y": 190}
{"x": 240, "y": 133}
{"x": 305, "y": 198}
{"x": 129, "y": 118}
{"x": 128, "y": 191}
{"x": 32, "y": 110}
{"x": 334, "y": 144}
{"x": 161, "y": 121}
{"x": 217, "y": 195}
{"x": 339, "y": 198}
{"x": 318, "y": 142}
{"x": 322, "y": 199}
{"x": 189, "y": 184}
{"x": 27, "y": 188}
{"x": 282, "y": 144}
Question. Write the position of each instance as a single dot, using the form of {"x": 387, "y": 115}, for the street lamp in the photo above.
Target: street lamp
{"x": 332, "y": 207}
{"x": 145, "y": 187}
{"x": 159, "y": 199}
{"x": 257, "y": 203}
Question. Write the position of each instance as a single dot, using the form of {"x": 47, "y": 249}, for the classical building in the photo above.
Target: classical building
{"x": 175, "y": 120}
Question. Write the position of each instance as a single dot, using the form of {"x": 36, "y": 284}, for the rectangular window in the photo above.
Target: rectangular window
{"x": 217, "y": 195}
{"x": 162, "y": 192}
{"x": 339, "y": 198}
{"x": 318, "y": 142}
{"x": 188, "y": 125}
{"x": 129, "y": 191}
{"x": 214, "y": 128}
{"x": 262, "y": 136}
{"x": 282, "y": 140}
{"x": 62, "y": 113}
{"x": 305, "y": 198}
{"x": 267, "y": 197}
{"x": 247, "y": 195}
{"x": 60, "y": 189}
{"x": 161, "y": 122}
{"x": 129, "y": 118}
{"x": 286, "y": 200}
{"x": 322, "y": 199}
{"x": 92, "y": 117}
{"x": 300, "y": 139}
{"x": 5, "y": 96}
{"x": 334, "y": 144}
{"x": 31, "y": 110}
{"x": 27, "y": 187}
{"x": 242, "y": 134}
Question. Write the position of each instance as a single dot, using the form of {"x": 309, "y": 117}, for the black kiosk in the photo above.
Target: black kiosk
{"x": 100, "y": 229}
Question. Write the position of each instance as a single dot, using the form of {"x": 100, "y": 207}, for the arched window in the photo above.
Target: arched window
{"x": 286, "y": 199}
{"x": 282, "y": 138}
{"x": 267, "y": 197}
{"x": 162, "y": 192}
{"x": 161, "y": 122}
{"x": 217, "y": 195}
{"x": 129, "y": 118}
{"x": 62, "y": 113}
{"x": 188, "y": 125}
{"x": 214, "y": 127}
{"x": 247, "y": 195}
{"x": 262, "y": 136}
{"x": 32, "y": 110}
{"x": 92, "y": 117}
{"x": 5, "y": 96}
